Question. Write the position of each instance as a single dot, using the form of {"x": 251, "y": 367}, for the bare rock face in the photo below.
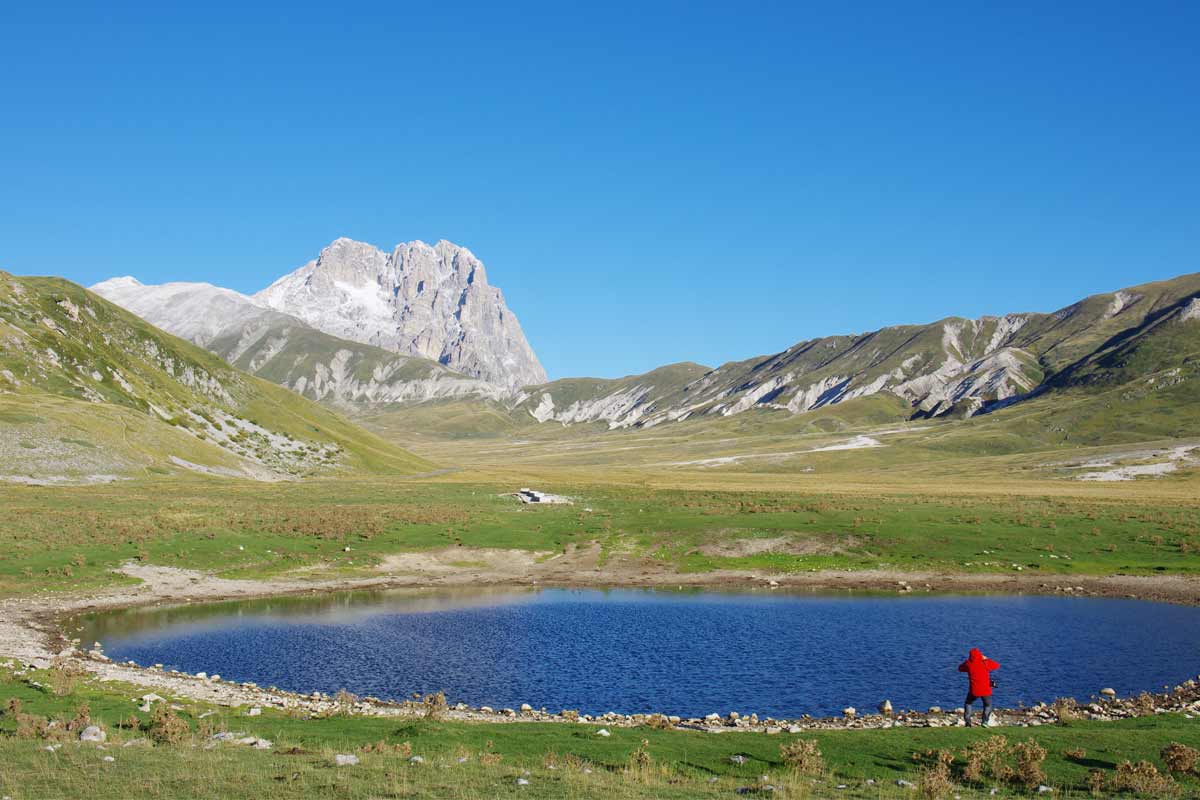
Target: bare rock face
{"x": 427, "y": 300}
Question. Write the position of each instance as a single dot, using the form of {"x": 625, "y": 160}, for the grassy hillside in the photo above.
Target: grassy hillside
{"x": 90, "y": 391}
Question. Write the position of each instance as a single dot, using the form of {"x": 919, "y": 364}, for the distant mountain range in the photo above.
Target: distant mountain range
{"x": 955, "y": 366}
{"x": 361, "y": 328}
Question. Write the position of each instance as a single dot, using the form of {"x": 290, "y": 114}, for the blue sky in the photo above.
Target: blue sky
{"x": 647, "y": 182}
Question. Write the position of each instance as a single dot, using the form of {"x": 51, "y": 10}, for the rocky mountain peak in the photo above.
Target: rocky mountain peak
{"x": 432, "y": 301}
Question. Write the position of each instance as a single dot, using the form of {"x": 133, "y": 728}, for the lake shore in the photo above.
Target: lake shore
{"x": 31, "y": 628}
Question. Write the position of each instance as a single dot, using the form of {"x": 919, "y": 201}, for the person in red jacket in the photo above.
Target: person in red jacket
{"x": 978, "y": 671}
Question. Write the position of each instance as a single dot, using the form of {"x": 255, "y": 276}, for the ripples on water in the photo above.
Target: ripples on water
{"x": 680, "y": 653}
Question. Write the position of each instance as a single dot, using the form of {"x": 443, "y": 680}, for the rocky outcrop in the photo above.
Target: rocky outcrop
{"x": 432, "y": 301}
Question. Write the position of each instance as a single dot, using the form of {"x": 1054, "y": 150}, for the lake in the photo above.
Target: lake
{"x": 685, "y": 653}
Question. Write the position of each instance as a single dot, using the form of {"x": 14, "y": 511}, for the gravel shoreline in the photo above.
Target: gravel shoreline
{"x": 31, "y": 636}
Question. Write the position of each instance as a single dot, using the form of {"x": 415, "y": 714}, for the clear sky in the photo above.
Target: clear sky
{"x": 647, "y": 182}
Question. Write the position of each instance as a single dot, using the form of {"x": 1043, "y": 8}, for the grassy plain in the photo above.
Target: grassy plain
{"x": 71, "y": 537}
{"x": 558, "y": 760}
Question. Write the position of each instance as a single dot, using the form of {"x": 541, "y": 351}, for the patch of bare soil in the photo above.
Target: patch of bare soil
{"x": 789, "y": 545}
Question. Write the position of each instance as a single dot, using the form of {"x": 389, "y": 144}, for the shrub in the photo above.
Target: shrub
{"x": 404, "y": 749}
{"x": 1142, "y": 778}
{"x": 987, "y": 758}
{"x": 83, "y": 718}
{"x": 1096, "y": 782}
{"x": 435, "y": 706}
{"x": 1143, "y": 704}
{"x": 640, "y": 759}
{"x": 1180, "y": 758}
{"x": 658, "y": 722}
{"x": 31, "y": 726}
{"x": 1030, "y": 756}
{"x": 803, "y": 755}
{"x": 166, "y": 727}
{"x": 489, "y": 757}
{"x": 345, "y": 701}
{"x": 1076, "y": 754}
{"x": 208, "y": 727}
{"x": 570, "y": 715}
{"x": 65, "y": 676}
{"x": 934, "y": 781}
{"x": 1066, "y": 709}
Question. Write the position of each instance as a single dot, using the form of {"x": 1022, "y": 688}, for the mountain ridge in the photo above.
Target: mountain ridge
{"x": 954, "y": 366}
{"x": 287, "y": 350}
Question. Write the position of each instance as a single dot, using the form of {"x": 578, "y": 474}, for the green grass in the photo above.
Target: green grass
{"x": 71, "y": 537}
{"x": 684, "y": 763}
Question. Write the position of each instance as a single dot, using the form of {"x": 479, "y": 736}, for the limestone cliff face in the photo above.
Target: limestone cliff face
{"x": 432, "y": 301}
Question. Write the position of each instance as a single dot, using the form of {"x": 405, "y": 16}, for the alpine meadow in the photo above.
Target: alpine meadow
{"x": 294, "y": 504}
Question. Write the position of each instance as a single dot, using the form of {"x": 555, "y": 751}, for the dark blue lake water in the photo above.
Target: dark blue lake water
{"x": 680, "y": 653}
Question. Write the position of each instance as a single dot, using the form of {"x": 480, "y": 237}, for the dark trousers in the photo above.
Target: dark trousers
{"x": 987, "y": 708}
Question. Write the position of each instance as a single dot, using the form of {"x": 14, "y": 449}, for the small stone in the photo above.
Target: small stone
{"x": 603, "y": 732}
{"x": 849, "y": 712}
{"x": 526, "y": 708}
{"x": 1108, "y": 692}
{"x": 1044, "y": 789}
{"x": 93, "y": 733}
{"x": 903, "y": 783}
{"x": 416, "y": 760}
{"x": 254, "y": 712}
{"x": 522, "y": 781}
{"x": 737, "y": 759}
{"x": 108, "y": 759}
{"x": 343, "y": 760}
{"x": 885, "y": 707}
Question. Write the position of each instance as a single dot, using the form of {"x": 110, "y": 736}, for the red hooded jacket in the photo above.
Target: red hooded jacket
{"x": 977, "y": 668}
